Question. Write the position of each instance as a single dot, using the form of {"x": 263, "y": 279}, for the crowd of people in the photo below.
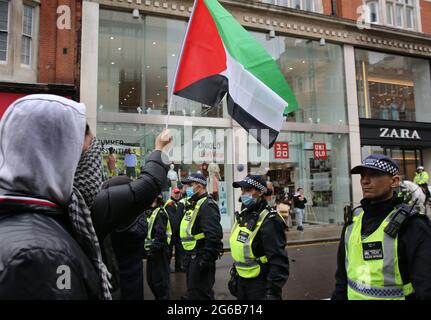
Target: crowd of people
{"x": 66, "y": 235}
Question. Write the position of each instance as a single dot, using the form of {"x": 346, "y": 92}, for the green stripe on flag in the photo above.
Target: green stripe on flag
{"x": 245, "y": 49}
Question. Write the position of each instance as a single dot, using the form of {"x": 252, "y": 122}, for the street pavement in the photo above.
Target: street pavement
{"x": 312, "y": 269}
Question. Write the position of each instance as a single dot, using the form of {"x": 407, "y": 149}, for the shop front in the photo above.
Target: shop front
{"x": 405, "y": 142}
{"x": 393, "y": 98}
{"x": 136, "y": 67}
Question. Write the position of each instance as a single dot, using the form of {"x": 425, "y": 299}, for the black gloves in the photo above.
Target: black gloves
{"x": 233, "y": 282}
{"x": 273, "y": 294}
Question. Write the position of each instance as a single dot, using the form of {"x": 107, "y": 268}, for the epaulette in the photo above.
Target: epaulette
{"x": 350, "y": 213}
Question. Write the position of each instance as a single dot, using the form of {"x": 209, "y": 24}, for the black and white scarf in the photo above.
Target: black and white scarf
{"x": 86, "y": 186}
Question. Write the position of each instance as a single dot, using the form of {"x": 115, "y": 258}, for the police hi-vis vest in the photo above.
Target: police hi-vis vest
{"x": 241, "y": 239}
{"x": 372, "y": 263}
{"x": 149, "y": 239}
{"x": 421, "y": 178}
{"x": 188, "y": 240}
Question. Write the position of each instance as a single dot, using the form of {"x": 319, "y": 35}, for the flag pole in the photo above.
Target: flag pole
{"x": 171, "y": 92}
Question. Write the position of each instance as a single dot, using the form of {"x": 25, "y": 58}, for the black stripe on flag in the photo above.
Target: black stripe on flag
{"x": 260, "y": 131}
{"x": 209, "y": 91}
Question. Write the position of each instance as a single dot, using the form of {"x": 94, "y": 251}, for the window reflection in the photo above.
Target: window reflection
{"x": 392, "y": 87}
{"x": 315, "y": 74}
{"x": 137, "y": 63}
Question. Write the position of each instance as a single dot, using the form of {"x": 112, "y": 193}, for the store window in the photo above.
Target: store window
{"x": 207, "y": 150}
{"x": 315, "y": 73}
{"x": 137, "y": 63}
{"x": 392, "y": 87}
{"x": 313, "y": 161}
{"x": 4, "y": 29}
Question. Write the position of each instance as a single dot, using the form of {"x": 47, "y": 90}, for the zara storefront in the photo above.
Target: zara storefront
{"x": 127, "y": 68}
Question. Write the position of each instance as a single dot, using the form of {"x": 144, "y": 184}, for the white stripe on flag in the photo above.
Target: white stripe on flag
{"x": 253, "y": 95}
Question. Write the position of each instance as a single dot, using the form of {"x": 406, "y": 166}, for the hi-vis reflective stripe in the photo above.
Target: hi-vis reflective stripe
{"x": 247, "y": 245}
{"x": 196, "y": 237}
{"x": 199, "y": 236}
{"x": 348, "y": 232}
{"x": 252, "y": 263}
{"x": 386, "y": 292}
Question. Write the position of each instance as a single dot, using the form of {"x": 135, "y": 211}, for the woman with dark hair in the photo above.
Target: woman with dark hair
{"x": 258, "y": 241}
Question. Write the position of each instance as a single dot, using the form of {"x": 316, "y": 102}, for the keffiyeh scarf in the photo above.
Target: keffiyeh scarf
{"x": 86, "y": 186}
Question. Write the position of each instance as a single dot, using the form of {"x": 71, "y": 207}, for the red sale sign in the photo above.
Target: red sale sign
{"x": 281, "y": 150}
{"x": 319, "y": 151}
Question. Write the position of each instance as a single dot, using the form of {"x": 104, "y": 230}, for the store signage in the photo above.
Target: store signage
{"x": 319, "y": 151}
{"x": 399, "y": 133}
{"x": 395, "y": 133}
{"x": 281, "y": 150}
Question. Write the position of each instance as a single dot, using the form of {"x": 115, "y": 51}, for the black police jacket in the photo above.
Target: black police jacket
{"x": 174, "y": 218}
{"x": 36, "y": 241}
{"x": 208, "y": 222}
{"x": 270, "y": 241}
{"x": 414, "y": 249}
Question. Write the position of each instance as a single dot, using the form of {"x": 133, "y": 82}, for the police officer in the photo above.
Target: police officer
{"x": 157, "y": 249}
{"x": 201, "y": 236}
{"x": 421, "y": 179}
{"x": 175, "y": 216}
{"x": 384, "y": 251}
{"x": 257, "y": 243}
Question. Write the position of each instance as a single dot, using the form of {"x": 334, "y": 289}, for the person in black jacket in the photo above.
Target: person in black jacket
{"x": 157, "y": 250}
{"x": 379, "y": 178}
{"x": 175, "y": 215}
{"x": 260, "y": 273}
{"x": 299, "y": 202}
{"x": 49, "y": 181}
{"x": 201, "y": 236}
{"x": 128, "y": 248}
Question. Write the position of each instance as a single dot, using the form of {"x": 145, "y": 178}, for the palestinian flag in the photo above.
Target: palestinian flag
{"x": 219, "y": 56}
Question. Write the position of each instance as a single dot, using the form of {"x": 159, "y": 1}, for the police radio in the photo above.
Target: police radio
{"x": 398, "y": 219}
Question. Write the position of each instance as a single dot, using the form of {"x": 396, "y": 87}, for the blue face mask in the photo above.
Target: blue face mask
{"x": 190, "y": 192}
{"x": 248, "y": 200}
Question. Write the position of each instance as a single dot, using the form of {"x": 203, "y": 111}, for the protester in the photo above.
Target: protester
{"x": 49, "y": 238}
{"x": 128, "y": 247}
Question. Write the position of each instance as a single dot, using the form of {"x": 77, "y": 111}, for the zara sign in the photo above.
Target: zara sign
{"x": 395, "y": 133}
{"x": 399, "y": 133}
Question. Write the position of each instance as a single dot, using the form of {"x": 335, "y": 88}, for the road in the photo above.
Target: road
{"x": 312, "y": 269}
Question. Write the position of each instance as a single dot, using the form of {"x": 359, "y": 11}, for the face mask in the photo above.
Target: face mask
{"x": 248, "y": 200}
{"x": 190, "y": 192}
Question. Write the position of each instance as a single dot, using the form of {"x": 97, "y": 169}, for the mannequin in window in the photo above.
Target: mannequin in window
{"x": 205, "y": 169}
{"x": 172, "y": 176}
{"x": 213, "y": 180}
{"x": 270, "y": 199}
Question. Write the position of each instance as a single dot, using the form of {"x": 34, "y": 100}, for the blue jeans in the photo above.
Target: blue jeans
{"x": 299, "y": 216}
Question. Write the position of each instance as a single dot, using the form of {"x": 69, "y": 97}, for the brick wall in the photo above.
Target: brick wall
{"x": 58, "y": 49}
{"x": 426, "y": 16}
